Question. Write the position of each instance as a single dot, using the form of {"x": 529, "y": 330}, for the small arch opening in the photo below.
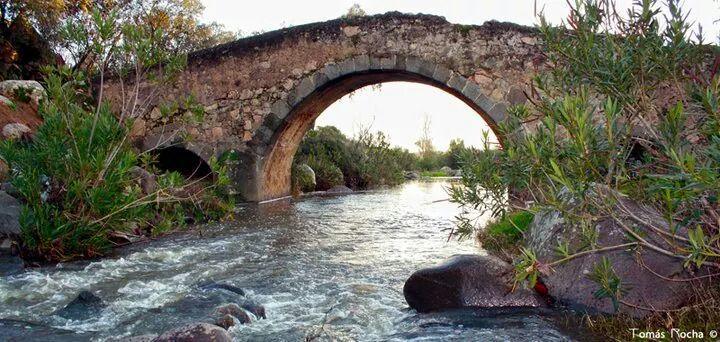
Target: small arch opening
{"x": 183, "y": 161}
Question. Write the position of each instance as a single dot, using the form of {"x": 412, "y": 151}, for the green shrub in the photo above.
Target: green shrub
{"x": 604, "y": 89}
{"x": 75, "y": 177}
{"x": 366, "y": 161}
{"x": 327, "y": 175}
{"x": 75, "y": 181}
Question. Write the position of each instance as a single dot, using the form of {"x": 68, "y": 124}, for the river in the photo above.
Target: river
{"x": 325, "y": 268}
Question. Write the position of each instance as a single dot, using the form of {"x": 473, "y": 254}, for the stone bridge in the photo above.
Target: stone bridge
{"x": 261, "y": 94}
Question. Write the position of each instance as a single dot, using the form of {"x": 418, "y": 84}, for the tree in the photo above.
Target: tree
{"x": 178, "y": 20}
{"x": 425, "y": 144}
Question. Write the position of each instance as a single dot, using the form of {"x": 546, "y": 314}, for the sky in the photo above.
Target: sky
{"x": 399, "y": 108}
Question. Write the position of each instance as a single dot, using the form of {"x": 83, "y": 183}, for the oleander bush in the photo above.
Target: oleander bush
{"x": 630, "y": 104}
{"x": 75, "y": 176}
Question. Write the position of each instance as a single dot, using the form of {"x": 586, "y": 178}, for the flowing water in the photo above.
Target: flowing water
{"x": 325, "y": 268}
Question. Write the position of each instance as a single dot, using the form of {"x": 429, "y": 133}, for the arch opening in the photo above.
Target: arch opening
{"x": 272, "y": 176}
{"x": 179, "y": 159}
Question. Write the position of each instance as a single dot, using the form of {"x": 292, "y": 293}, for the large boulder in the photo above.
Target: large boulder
{"x": 199, "y": 332}
{"x": 18, "y": 89}
{"x": 9, "y": 216}
{"x": 569, "y": 284}
{"x": 479, "y": 281}
{"x": 304, "y": 178}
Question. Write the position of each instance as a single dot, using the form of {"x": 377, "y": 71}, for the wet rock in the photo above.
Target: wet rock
{"x": 339, "y": 189}
{"x": 9, "y": 216}
{"x": 15, "y": 131}
{"x": 32, "y": 89}
{"x": 147, "y": 180}
{"x": 569, "y": 284}
{"x": 223, "y": 286}
{"x": 198, "y": 332}
{"x": 14, "y": 330}
{"x": 412, "y": 175}
{"x": 467, "y": 281}
{"x": 141, "y": 338}
{"x": 254, "y": 308}
{"x": 225, "y": 322}
{"x": 10, "y": 265}
{"x": 85, "y": 305}
{"x": 234, "y": 310}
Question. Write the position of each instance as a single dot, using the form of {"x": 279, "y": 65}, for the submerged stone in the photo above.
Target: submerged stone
{"x": 85, "y": 305}
{"x": 223, "y": 286}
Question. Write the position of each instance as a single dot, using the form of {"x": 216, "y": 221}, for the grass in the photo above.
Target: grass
{"x": 700, "y": 315}
{"x": 503, "y": 234}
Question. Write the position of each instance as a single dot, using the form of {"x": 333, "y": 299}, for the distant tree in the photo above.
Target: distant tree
{"x": 425, "y": 144}
{"x": 454, "y": 153}
{"x": 354, "y": 11}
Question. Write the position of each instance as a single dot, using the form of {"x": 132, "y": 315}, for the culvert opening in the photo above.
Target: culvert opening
{"x": 184, "y": 161}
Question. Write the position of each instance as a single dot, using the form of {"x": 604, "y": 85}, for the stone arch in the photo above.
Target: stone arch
{"x": 264, "y": 172}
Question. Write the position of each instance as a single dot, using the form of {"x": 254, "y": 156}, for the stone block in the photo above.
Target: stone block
{"x": 280, "y": 109}
{"x": 320, "y": 79}
{"x": 362, "y": 63}
{"x": 498, "y": 113}
{"x": 457, "y": 82}
{"x": 387, "y": 63}
{"x": 331, "y": 71}
{"x": 346, "y": 67}
{"x": 412, "y": 64}
{"x": 441, "y": 74}
{"x": 471, "y": 90}
{"x": 483, "y": 102}
{"x": 302, "y": 90}
{"x": 426, "y": 68}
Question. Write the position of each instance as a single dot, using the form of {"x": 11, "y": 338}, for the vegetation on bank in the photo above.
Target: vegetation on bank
{"x": 367, "y": 160}
{"x": 629, "y": 108}
{"x": 80, "y": 181}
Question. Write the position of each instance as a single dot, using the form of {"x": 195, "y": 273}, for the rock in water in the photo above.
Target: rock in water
{"x": 234, "y": 310}
{"x": 467, "y": 280}
{"x": 569, "y": 284}
{"x": 254, "y": 308}
{"x": 339, "y": 189}
{"x": 199, "y": 332}
{"x": 223, "y": 286}
{"x": 85, "y": 305}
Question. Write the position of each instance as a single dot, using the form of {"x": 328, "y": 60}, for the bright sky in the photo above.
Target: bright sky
{"x": 399, "y": 108}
